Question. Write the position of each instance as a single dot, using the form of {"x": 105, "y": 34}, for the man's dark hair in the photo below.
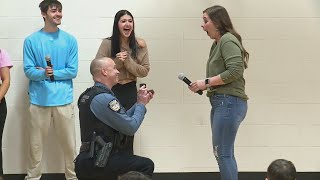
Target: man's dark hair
{"x": 134, "y": 175}
{"x": 281, "y": 169}
{"x": 45, "y": 4}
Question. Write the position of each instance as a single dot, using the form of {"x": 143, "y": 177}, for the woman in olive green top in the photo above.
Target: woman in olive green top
{"x": 225, "y": 87}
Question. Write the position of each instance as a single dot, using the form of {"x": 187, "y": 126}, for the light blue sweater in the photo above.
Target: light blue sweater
{"x": 63, "y": 50}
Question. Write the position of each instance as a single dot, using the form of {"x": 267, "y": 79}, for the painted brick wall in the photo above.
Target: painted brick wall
{"x": 283, "y": 116}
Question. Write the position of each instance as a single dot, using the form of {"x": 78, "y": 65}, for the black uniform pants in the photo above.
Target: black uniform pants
{"x": 3, "y": 115}
{"x": 118, "y": 164}
{"x": 127, "y": 95}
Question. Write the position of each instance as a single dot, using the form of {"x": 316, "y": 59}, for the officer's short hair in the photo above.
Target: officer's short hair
{"x": 97, "y": 64}
{"x": 281, "y": 169}
{"x": 133, "y": 175}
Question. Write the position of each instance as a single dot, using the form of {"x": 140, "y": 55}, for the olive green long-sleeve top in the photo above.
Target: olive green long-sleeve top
{"x": 226, "y": 58}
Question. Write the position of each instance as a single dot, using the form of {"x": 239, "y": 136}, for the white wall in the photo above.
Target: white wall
{"x": 282, "y": 79}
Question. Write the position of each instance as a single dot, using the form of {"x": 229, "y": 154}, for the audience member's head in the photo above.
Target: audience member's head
{"x": 281, "y": 169}
{"x": 133, "y": 175}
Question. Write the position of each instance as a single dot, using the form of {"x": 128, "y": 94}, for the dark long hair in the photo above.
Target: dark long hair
{"x": 115, "y": 38}
{"x": 220, "y": 17}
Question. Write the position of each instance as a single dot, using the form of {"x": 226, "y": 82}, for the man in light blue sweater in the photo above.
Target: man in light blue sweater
{"x": 50, "y": 58}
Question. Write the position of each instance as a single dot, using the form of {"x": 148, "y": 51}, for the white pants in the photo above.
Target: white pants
{"x": 38, "y": 128}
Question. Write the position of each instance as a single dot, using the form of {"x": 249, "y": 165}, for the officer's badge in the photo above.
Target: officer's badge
{"x": 114, "y": 105}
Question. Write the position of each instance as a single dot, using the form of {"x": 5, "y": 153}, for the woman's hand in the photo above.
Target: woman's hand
{"x": 198, "y": 85}
{"x": 122, "y": 56}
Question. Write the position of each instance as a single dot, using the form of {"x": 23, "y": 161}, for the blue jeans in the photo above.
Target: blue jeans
{"x": 226, "y": 115}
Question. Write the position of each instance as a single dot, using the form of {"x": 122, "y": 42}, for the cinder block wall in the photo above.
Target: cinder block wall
{"x": 282, "y": 79}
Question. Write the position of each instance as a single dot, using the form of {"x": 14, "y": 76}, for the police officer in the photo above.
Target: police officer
{"x": 101, "y": 115}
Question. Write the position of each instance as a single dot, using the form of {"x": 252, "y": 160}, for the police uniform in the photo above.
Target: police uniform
{"x": 101, "y": 112}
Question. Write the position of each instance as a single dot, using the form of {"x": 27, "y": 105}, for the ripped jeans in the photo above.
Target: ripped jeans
{"x": 226, "y": 115}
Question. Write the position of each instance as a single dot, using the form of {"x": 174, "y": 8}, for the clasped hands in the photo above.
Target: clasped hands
{"x": 122, "y": 56}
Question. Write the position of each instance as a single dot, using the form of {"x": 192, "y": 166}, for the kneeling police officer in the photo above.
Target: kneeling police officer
{"x": 105, "y": 125}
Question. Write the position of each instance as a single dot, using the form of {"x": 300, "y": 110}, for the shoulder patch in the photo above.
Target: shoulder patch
{"x": 114, "y": 105}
